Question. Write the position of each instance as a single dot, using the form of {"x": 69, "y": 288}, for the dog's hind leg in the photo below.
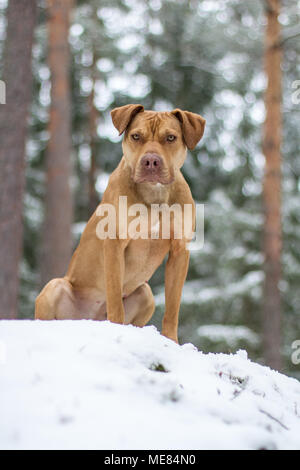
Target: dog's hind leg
{"x": 139, "y": 306}
{"x": 56, "y": 301}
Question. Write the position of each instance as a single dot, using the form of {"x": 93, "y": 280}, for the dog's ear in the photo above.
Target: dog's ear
{"x": 122, "y": 116}
{"x": 193, "y": 126}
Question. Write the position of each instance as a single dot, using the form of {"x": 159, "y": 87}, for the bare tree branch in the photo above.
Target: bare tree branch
{"x": 290, "y": 33}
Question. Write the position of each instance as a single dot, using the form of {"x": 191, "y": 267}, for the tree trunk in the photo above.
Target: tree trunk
{"x": 57, "y": 236}
{"x": 17, "y": 75}
{"x": 93, "y": 115}
{"x": 272, "y": 189}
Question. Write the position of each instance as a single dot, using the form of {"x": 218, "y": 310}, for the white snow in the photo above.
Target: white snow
{"x": 93, "y": 385}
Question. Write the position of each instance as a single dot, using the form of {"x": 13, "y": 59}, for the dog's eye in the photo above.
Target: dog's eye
{"x": 135, "y": 136}
{"x": 171, "y": 138}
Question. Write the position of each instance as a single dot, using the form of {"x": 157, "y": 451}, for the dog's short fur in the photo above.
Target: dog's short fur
{"x": 107, "y": 279}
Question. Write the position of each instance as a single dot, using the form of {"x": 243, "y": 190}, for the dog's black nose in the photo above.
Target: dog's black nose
{"x": 151, "y": 162}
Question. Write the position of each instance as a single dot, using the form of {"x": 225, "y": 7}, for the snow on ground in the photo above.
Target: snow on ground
{"x": 90, "y": 385}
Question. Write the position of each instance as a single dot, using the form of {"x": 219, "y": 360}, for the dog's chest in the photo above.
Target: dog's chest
{"x": 154, "y": 193}
{"x": 142, "y": 258}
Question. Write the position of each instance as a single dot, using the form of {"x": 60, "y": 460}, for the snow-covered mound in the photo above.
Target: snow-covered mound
{"x": 84, "y": 384}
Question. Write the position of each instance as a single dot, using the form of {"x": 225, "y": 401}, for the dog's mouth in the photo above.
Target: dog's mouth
{"x": 151, "y": 169}
{"x": 153, "y": 179}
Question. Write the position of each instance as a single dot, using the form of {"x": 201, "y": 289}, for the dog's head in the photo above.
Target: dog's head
{"x": 155, "y": 143}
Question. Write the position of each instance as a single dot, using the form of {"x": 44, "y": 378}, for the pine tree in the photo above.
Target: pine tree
{"x": 17, "y": 74}
{"x": 272, "y": 189}
{"x": 57, "y": 235}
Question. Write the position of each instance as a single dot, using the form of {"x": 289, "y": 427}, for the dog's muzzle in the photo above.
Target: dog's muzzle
{"x": 150, "y": 167}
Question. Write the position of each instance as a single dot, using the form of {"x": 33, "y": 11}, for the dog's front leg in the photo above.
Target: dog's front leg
{"x": 175, "y": 275}
{"x": 114, "y": 267}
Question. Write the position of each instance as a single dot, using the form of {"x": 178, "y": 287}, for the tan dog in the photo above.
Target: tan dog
{"x": 107, "y": 278}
